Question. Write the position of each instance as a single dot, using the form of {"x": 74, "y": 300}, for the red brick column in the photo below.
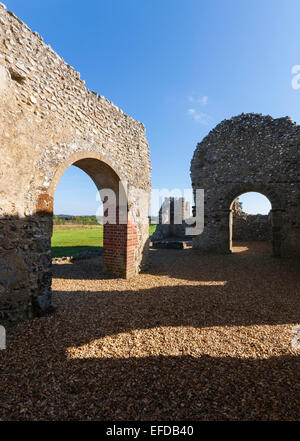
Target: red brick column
{"x": 120, "y": 243}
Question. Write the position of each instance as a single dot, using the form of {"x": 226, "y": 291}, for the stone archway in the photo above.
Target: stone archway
{"x": 275, "y": 213}
{"x": 119, "y": 237}
{"x": 48, "y": 121}
{"x": 249, "y": 152}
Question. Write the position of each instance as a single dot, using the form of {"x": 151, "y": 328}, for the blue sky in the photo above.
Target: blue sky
{"x": 179, "y": 66}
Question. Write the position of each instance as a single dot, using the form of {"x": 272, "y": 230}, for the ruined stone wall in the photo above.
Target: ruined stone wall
{"x": 48, "y": 121}
{"x": 250, "y": 227}
{"x": 171, "y": 224}
{"x": 249, "y": 152}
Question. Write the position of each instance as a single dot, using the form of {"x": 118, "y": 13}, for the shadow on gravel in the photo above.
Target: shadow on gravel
{"x": 152, "y": 388}
{"x": 39, "y": 382}
{"x": 255, "y": 262}
{"x": 83, "y": 269}
{"x": 233, "y": 304}
{"x": 73, "y": 250}
{"x": 193, "y": 265}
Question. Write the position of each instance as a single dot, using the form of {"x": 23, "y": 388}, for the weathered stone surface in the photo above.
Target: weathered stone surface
{"x": 172, "y": 216}
{"x": 249, "y": 152}
{"x": 48, "y": 121}
{"x": 248, "y": 227}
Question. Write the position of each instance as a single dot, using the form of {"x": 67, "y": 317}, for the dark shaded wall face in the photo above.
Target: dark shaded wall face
{"x": 249, "y": 152}
{"x": 25, "y": 267}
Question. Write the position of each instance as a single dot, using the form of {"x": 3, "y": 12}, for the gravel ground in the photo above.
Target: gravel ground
{"x": 196, "y": 337}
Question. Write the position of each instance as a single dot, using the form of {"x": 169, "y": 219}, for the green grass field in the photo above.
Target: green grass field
{"x": 70, "y": 241}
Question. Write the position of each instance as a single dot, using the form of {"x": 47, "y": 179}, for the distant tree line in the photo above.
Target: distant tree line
{"x": 65, "y": 219}
{"x": 62, "y": 219}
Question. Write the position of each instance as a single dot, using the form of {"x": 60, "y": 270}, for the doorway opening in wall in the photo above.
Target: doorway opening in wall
{"x": 78, "y": 218}
{"x": 86, "y": 230}
{"x": 251, "y": 229}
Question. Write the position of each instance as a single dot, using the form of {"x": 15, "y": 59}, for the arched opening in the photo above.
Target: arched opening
{"x": 254, "y": 225}
{"x": 77, "y": 218}
{"x": 116, "y": 234}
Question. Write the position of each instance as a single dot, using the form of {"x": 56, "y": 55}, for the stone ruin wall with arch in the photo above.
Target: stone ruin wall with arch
{"x": 256, "y": 153}
{"x": 49, "y": 121}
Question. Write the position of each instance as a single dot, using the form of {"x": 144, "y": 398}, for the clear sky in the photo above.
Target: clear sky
{"x": 179, "y": 66}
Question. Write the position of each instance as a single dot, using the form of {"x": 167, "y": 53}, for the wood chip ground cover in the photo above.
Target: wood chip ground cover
{"x": 196, "y": 337}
